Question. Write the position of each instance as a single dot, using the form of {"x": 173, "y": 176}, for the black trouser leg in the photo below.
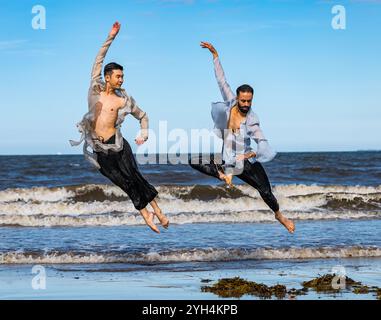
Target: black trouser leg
{"x": 255, "y": 175}
{"x": 121, "y": 168}
{"x": 207, "y": 167}
{"x": 143, "y": 191}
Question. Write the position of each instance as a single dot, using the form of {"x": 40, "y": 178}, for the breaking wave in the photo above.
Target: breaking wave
{"x": 88, "y": 205}
{"x": 187, "y": 255}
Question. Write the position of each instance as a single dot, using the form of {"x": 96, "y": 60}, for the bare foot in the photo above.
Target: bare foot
{"x": 148, "y": 218}
{"x": 290, "y": 226}
{"x": 162, "y": 218}
{"x": 227, "y": 178}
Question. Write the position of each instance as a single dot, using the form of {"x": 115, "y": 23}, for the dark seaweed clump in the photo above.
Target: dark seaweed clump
{"x": 324, "y": 283}
{"x": 237, "y": 287}
{"x": 329, "y": 283}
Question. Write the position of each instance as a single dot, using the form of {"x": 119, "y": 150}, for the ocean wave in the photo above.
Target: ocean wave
{"x": 100, "y": 192}
{"x": 187, "y": 255}
{"x": 109, "y": 205}
{"x": 132, "y": 219}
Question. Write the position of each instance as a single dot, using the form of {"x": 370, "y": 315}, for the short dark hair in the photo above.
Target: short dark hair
{"x": 245, "y": 88}
{"x": 110, "y": 67}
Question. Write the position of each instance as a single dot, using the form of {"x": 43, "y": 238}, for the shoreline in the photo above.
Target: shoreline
{"x": 83, "y": 283}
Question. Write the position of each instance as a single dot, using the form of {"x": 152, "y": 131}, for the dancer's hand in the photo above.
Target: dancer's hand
{"x": 246, "y": 156}
{"x": 251, "y": 155}
{"x": 210, "y": 47}
{"x": 115, "y": 29}
{"x": 139, "y": 141}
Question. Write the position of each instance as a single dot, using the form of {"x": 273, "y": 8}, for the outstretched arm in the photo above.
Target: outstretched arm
{"x": 226, "y": 91}
{"x": 96, "y": 73}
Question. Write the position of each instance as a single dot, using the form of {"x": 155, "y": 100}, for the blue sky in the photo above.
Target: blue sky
{"x": 316, "y": 88}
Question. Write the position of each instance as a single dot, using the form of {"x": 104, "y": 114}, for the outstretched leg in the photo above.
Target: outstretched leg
{"x": 121, "y": 168}
{"x": 255, "y": 175}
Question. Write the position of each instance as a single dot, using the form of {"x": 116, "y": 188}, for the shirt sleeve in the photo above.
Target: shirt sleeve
{"x": 226, "y": 91}
{"x": 264, "y": 151}
{"x": 96, "y": 73}
{"x": 140, "y": 115}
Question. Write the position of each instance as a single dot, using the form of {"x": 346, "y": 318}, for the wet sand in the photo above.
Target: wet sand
{"x": 111, "y": 281}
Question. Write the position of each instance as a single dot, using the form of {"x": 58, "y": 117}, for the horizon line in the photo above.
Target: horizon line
{"x": 182, "y": 154}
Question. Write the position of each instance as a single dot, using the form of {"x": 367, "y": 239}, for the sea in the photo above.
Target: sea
{"x": 58, "y": 210}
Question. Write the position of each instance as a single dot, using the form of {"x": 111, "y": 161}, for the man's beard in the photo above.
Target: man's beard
{"x": 243, "y": 109}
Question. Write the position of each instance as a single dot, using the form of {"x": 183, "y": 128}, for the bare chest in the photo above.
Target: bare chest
{"x": 110, "y": 104}
{"x": 235, "y": 120}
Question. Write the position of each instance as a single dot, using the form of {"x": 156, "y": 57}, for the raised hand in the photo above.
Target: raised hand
{"x": 209, "y": 46}
{"x": 115, "y": 29}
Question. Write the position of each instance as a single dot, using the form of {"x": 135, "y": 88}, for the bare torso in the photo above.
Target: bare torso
{"x": 235, "y": 120}
{"x": 106, "y": 115}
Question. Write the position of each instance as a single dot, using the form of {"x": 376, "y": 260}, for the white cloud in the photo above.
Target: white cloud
{"x": 11, "y": 44}
{"x": 24, "y": 47}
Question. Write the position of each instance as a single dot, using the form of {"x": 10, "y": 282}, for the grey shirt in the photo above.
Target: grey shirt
{"x": 235, "y": 144}
{"x": 86, "y": 126}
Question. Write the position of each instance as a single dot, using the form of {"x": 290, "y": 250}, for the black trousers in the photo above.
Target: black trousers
{"x": 253, "y": 173}
{"x": 121, "y": 168}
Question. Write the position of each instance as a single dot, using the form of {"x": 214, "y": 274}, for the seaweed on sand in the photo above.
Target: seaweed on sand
{"x": 325, "y": 283}
{"x": 237, "y": 287}
{"x": 361, "y": 290}
{"x": 328, "y": 283}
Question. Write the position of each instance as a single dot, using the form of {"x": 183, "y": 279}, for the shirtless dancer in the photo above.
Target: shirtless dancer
{"x": 237, "y": 125}
{"x": 100, "y": 127}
